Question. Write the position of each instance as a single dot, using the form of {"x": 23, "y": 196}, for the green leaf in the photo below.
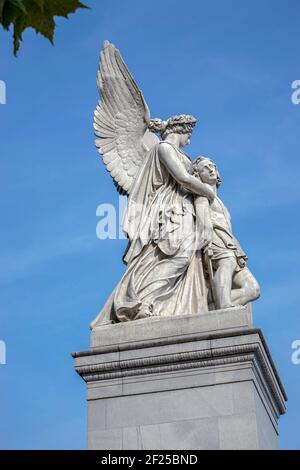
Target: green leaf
{"x": 18, "y": 4}
{"x": 10, "y": 11}
{"x": 40, "y": 3}
{"x": 36, "y": 14}
{"x": 65, "y": 7}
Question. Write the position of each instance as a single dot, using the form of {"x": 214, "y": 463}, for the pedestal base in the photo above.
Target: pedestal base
{"x": 202, "y": 381}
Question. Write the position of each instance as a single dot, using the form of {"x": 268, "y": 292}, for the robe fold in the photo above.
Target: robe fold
{"x": 164, "y": 274}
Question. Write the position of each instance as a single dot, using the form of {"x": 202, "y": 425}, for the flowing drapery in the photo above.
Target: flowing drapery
{"x": 164, "y": 274}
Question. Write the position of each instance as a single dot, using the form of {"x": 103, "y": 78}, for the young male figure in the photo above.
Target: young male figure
{"x": 232, "y": 282}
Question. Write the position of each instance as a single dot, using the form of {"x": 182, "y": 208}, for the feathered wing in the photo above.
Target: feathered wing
{"x": 120, "y": 120}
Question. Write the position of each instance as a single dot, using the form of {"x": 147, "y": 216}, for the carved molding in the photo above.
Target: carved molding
{"x": 187, "y": 360}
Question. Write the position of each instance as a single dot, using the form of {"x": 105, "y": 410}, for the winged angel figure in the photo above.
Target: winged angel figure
{"x": 164, "y": 274}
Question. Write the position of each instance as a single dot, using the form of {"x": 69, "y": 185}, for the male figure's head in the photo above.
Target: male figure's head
{"x": 206, "y": 169}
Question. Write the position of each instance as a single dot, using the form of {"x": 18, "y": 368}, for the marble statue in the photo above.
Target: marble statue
{"x": 182, "y": 257}
{"x": 232, "y": 283}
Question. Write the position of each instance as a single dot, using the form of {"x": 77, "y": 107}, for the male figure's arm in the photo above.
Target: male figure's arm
{"x": 203, "y": 222}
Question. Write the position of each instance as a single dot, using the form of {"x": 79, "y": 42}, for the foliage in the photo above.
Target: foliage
{"x": 36, "y": 14}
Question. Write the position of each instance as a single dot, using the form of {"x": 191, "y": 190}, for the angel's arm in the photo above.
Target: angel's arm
{"x": 168, "y": 157}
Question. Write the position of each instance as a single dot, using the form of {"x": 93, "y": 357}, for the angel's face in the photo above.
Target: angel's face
{"x": 185, "y": 139}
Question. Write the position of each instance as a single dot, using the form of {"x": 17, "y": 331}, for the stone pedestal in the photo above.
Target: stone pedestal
{"x": 202, "y": 381}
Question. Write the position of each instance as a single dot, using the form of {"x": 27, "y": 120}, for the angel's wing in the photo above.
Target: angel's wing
{"x": 120, "y": 120}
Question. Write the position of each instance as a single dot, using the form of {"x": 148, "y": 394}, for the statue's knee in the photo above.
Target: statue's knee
{"x": 255, "y": 290}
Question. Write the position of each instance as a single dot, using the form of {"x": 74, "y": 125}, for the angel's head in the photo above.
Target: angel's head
{"x": 206, "y": 169}
{"x": 181, "y": 125}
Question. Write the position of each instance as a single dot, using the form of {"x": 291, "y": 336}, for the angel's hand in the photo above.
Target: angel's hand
{"x": 175, "y": 167}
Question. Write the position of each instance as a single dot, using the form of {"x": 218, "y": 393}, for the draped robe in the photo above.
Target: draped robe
{"x": 164, "y": 274}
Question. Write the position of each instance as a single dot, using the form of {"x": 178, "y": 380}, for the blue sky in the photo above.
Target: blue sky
{"x": 231, "y": 64}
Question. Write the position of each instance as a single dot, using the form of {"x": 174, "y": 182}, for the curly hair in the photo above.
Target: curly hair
{"x": 181, "y": 124}
{"x": 195, "y": 171}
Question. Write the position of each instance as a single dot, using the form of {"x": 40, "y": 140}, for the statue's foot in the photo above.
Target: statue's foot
{"x": 145, "y": 311}
{"x": 228, "y": 306}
